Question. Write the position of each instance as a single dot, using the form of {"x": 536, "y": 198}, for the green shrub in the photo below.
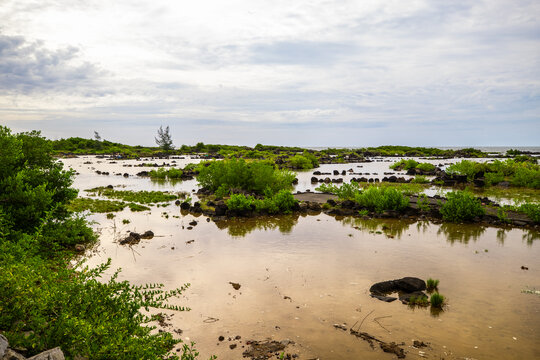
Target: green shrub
{"x": 526, "y": 177}
{"x": 284, "y": 200}
{"x": 423, "y": 203}
{"x": 493, "y": 178}
{"x": 420, "y": 179}
{"x": 531, "y": 210}
{"x": 239, "y": 202}
{"x": 161, "y": 173}
{"x": 461, "y": 206}
{"x": 345, "y": 191}
{"x": 404, "y": 164}
{"x": 256, "y": 176}
{"x": 427, "y": 167}
{"x": 465, "y": 167}
{"x": 299, "y": 162}
{"x": 381, "y": 199}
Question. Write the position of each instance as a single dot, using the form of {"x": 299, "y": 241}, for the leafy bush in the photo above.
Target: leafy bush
{"x": 420, "y": 179}
{"x": 526, "y": 177}
{"x": 256, "y": 176}
{"x": 161, "y": 173}
{"x": 461, "y": 206}
{"x": 299, "y": 162}
{"x": 404, "y": 164}
{"x": 464, "y": 167}
{"x": 427, "y": 167}
{"x": 239, "y": 202}
{"x": 381, "y": 199}
{"x": 531, "y": 210}
{"x": 493, "y": 178}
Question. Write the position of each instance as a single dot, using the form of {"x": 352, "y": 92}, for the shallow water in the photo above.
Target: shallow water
{"x": 325, "y": 266}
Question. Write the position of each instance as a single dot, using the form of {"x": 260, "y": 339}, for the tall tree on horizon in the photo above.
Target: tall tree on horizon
{"x": 164, "y": 139}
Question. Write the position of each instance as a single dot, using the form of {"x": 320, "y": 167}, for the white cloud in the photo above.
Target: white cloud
{"x": 392, "y": 67}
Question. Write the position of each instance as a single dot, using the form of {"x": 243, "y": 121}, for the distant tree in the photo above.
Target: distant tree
{"x": 200, "y": 147}
{"x": 164, "y": 140}
{"x": 96, "y": 136}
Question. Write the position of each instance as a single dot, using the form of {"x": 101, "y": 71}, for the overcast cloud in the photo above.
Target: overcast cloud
{"x": 309, "y": 73}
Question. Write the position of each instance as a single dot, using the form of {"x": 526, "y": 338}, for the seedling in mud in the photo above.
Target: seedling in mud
{"x": 125, "y": 221}
{"x": 110, "y": 216}
{"x": 437, "y": 300}
{"x": 432, "y": 284}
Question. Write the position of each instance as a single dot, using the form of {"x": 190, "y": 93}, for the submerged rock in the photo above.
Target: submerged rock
{"x": 406, "y": 285}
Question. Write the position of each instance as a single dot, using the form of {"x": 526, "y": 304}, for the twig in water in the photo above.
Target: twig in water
{"x": 382, "y": 317}
{"x": 365, "y": 317}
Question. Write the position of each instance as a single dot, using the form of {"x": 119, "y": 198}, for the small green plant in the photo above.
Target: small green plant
{"x": 363, "y": 212}
{"x": 461, "y": 206}
{"x": 437, "y": 300}
{"x": 239, "y": 202}
{"x": 423, "y": 203}
{"x": 110, "y": 216}
{"x": 502, "y": 215}
{"x": 420, "y": 300}
{"x": 420, "y": 179}
{"x": 432, "y": 284}
{"x": 126, "y": 221}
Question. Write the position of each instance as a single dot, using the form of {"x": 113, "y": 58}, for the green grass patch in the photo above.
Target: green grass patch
{"x": 437, "y": 300}
{"x": 141, "y": 197}
{"x": 432, "y": 284}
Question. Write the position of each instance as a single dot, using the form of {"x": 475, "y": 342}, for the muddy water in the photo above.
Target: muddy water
{"x": 300, "y": 275}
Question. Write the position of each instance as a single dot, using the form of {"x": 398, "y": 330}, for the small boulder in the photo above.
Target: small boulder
{"x": 53, "y": 354}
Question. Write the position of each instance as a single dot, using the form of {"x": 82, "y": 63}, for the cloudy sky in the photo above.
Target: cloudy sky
{"x": 301, "y": 72}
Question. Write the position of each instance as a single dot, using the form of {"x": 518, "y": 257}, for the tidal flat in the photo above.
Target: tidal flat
{"x": 300, "y": 275}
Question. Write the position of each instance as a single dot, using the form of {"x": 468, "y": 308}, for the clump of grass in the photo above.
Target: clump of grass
{"x": 420, "y": 179}
{"x": 432, "y": 284}
{"x": 125, "y": 221}
{"x": 437, "y": 300}
{"x": 137, "y": 207}
{"x": 161, "y": 173}
{"x": 110, "y": 216}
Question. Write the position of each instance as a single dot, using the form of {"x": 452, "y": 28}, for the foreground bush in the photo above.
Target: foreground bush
{"x": 256, "y": 177}
{"x": 44, "y": 300}
{"x": 380, "y": 199}
{"x": 461, "y": 206}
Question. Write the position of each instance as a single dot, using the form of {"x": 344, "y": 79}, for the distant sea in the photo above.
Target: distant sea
{"x": 487, "y": 149}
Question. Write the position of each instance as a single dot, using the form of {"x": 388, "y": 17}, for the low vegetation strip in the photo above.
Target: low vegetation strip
{"x": 141, "y": 197}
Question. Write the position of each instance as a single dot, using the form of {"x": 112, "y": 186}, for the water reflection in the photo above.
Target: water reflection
{"x": 239, "y": 227}
{"x": 501, "y": 236}
{"x": 530, "y": 236}
{"x": 391, "y": 227}
{"x": 462, "y": 233}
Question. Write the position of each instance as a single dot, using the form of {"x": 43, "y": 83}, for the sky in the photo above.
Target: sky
{"x": 302, "y": 72}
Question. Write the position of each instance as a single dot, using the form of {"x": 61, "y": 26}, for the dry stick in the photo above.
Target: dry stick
{"x": 382, "y": 317}
{"x": 365, "y": 317}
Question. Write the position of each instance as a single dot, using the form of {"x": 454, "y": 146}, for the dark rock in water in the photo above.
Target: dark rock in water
{"x": 185, "y": 205}
{"x": 126, "y": 175}
{"x": 419, "y": 344}
{"x": 384, "y": 298}
{"x": 264, "y": 349}
{"x": 232, "y": 346}
{"x": 348, "y": 204}
{"x": 316, "y": 173}
{"x": 110, "y": 187}
{"x": 147, "y": 234}
{"x": 314, "y": 179}
{"x": 221, "y": 208}
{"x": 405, "y": 285}
{"x": 193, "y": 223}
{"x": 135, "y": 235}
{"x": 177, "y": 202}
{"x": 236, "y": 286}
{"x": 331, "y": 202}
{"x": 336, "y": 172}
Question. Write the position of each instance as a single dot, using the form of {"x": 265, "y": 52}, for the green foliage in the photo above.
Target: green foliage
{"x": 465, "y": 167}
{"x": 502, "y": 215}
{"x": 404, "y": 164}
{"x": 423, "y": 203}
{"x": 432, "y": 284}
{"x": 531, "y": 210}
{"x": 461, "y": 206}
{"x": 381, "y": 199}
{"x": 282, "y": 202}
{"x": 102, "y": 206}
{"x": 437, "y": 300}
{"x": 256, "y": 177}
{"x": 526, "y": 176}
{"x": 142, "y": 197}
{"x": 420, "y": 179}
{"x": 345, "y": 191}
{"x": 493, "y": 178}
{"x": 46, "y": 301}
{"x": 427, "y": 167}
{"x": 239, "y": 202}
{"x": 420, "y": 300}
{"x": 161, "y": 173}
